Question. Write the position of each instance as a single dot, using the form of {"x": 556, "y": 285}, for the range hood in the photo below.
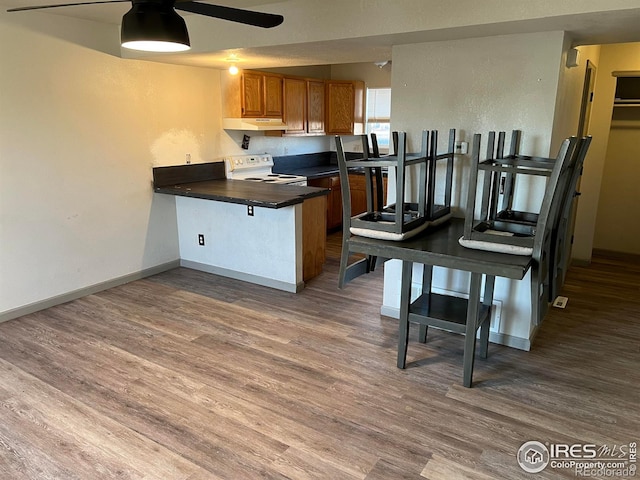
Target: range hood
{"x": 253, "y": 124}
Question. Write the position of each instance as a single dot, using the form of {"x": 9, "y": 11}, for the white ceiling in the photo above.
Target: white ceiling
{"x": 265, "y": 50}
{"x": 112, "y": 13}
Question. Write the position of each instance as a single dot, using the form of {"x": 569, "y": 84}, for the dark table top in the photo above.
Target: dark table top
{"x": 439, "y": 247}
{"x": 245, "y": 192}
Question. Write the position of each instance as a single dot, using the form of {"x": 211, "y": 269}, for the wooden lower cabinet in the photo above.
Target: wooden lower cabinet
{"x": 359, "y": 192}
{"x": 314, "y": 236}
{"x": 334, "y": 199}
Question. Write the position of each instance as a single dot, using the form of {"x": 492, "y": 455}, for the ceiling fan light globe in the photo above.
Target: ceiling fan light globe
{"x": 155, "y": 46}
{"x": 154, "y": 27}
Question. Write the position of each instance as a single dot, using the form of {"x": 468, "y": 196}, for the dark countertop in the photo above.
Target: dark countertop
{"x": 318, "y": 171}
{"x": 314, "y": 165}
{"x": 244, "y": 192}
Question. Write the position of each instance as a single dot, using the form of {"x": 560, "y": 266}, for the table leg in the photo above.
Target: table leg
{"x": 403, "y": 322}
{"x": 489, "y": 283}
{"x": 473, "y": 310}
{"x": 427, "y": 275}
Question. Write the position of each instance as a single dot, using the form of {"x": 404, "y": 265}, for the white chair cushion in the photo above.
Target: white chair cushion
{"x": 495, "y": 247}
{"x": 397, "y": 237}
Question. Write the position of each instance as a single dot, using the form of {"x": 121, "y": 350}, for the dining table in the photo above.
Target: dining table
{"x": 439, "y": 247}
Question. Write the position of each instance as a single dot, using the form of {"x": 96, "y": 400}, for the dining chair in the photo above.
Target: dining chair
{"x": 432, "y": 207}
{"x": 378, "y": 222}
{"x": 516, "y": 239}
{"x": 561, "y": 234}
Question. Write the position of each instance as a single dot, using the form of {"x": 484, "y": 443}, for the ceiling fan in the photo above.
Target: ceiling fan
{"x": 155, "y": 26}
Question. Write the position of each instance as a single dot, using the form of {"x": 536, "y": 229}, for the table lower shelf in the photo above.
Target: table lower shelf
{"x": 444, "y": 311}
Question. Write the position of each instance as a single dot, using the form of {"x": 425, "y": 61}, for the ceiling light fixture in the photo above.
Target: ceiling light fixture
{"x": 233, "y": 59}
{"x": 154, "y": 27}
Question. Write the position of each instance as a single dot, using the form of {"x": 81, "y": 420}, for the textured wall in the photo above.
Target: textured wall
{"x": 79, "y": 133}
{"x": 612, "y": 58}
{"x": 478, "y": 85}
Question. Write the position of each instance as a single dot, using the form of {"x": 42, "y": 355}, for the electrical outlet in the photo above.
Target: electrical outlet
{"x": 201, "y": 239}
{"x": 560, "y": 302}
{"x": 250, "y": 210}
{"x": 461, "y": 147}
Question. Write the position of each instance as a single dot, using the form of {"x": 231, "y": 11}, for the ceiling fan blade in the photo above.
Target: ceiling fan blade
{"x": 248, "y": 17}
{"x": 19, "y": 9}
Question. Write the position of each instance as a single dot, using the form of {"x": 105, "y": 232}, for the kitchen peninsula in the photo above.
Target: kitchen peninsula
{"x": 267, "y": 234}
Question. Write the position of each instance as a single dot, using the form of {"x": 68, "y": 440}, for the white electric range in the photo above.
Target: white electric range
{"x": 258, "y": 168}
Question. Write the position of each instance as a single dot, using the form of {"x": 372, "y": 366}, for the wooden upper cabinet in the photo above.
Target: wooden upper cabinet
{"x": 273, "y": 95}
{"x": 253, "y": 94}
{"x": 309, "y": 106}
{"x": 315, "y": 107}
{"x": 295, "y": 105}
{"x": 304, "y": 106}
{"x": 345, "y": 107}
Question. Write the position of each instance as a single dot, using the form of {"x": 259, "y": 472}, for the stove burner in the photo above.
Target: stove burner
{"x": 269, "y": 180}
{"x": 287, "y": 176}
{"x": 254, "y": 179}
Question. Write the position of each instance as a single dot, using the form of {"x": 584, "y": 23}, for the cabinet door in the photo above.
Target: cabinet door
{"x": 334, "y": 199}
{"x": 252, "y": 95}
{"x": 358, "y": 194}
{"x": 340, "y": 107}
{"x": 273, "y": 96}
{"x": 334, "y": 204}
{"x": 295, "y": 112}
{"x": 357, "y": 185}
{"x": 315, "y": 106}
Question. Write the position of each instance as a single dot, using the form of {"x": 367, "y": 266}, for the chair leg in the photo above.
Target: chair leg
{"x": 427, "y": 276}
{"x": 372, "y": 263}
{"x": 422, "y": 333}
{"x": 489, "y": 284}
{"x": 536, "y": 313}
{"x": 403, "y": 322}
{"x": 344, "y": 259}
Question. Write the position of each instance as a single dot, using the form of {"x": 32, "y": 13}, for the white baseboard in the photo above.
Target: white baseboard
{"x": 245, "y": 277}
{"x": 82, "y": 292}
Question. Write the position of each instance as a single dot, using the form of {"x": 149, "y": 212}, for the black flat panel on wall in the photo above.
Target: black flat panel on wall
{"x": 628, "y": 89}
{"x": 178, "y": 174}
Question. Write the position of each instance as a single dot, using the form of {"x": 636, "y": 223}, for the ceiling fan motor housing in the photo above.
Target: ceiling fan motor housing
{"x": 153, "y": 21}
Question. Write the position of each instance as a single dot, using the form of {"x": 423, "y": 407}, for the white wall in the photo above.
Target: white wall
{"x": 618, "y": 57}
{"x": 370, "y": 73}
{"x": 478, "y": 85}
{"x": 79, "y": 133}
{"x": 618, "y": 220}
{"x": 265, "y": 248}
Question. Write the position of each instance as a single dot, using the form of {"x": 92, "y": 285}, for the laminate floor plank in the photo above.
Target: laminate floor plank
{"x": 191, "y": 376}
{"x": 89, "y": 445}
{"x": 175, "y": 419}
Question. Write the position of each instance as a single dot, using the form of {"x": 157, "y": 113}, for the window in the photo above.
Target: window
{"x": 379, "y": 116}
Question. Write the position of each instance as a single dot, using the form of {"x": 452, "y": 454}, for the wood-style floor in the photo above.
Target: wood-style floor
{"x": 190, "y": 376}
